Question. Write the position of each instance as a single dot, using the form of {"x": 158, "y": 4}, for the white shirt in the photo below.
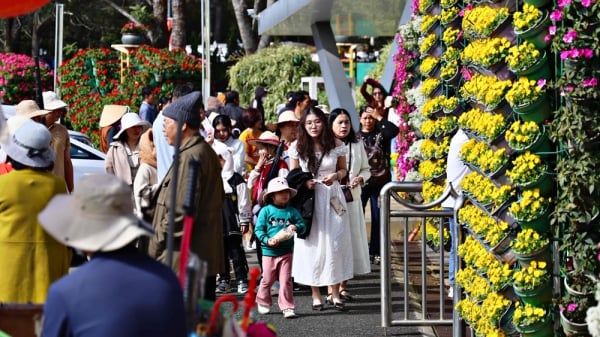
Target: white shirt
{"x": 456, "y": 169}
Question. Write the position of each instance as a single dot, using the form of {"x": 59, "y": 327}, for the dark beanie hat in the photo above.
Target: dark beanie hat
{"x": 186, "y": 109}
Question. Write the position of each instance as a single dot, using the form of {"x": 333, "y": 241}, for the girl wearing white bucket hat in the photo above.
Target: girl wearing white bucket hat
{"x": 122, "y": 158}
{"x": 30, "y": 259}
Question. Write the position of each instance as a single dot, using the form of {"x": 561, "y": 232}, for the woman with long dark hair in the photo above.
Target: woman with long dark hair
{"x": 324, "y": 257}
{"x": 358, "y": 174}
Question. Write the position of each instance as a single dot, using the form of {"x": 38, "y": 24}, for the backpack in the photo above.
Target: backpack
{"x": 378, "y": 162}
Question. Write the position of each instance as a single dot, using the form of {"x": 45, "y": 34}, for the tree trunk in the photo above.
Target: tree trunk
{"x": 260, "y": 6}
{"x": 249, "y": 38}
{"x": 178, "y": 32}
{"x": 219, "y": 33}
{"x": 11, "y": 32}
{"x": 159, "y": 34}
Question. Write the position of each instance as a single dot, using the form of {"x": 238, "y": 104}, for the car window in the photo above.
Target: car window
{"x": 79, "y": 153}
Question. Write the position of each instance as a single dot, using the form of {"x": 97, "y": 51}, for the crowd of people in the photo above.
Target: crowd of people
{"x": 245, "y": 181}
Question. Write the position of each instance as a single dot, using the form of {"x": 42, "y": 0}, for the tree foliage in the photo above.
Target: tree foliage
{"x": 279, "y": 68}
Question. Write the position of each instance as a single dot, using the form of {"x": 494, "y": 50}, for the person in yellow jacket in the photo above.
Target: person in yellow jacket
{"x": 30, "y": 259}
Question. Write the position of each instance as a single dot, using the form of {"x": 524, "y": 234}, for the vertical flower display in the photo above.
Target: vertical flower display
{"x": 89, "y": 80}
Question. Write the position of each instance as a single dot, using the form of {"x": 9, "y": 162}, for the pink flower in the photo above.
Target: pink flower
{"x": 590, "y": 82}
{"x": 547, "y": 38}
{"x": 541, "y": 83}
{"x": 572, "y": 307}
{"x": 569, "y": 88}
{"x": 564, "y": 54}
{"x": 587, "y": 53}
{"x": 552, "y": 30}
{"x": 570, "y": 36}
{"x": 556, "y": 15}
{"x": 563, "y": 3}
{"x": 586, "y": 3}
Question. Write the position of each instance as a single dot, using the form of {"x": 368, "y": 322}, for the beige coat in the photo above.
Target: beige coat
{"x": 118, "y": 163}
{"x": 207, "y": 237}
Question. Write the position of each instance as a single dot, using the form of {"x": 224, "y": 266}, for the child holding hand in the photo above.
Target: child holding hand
{"x": 274, "y": 230}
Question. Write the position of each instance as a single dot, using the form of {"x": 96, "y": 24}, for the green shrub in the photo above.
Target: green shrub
{"x": 278, "y": 68}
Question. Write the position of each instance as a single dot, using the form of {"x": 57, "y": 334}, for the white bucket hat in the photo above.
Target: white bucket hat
{"x": 287, "y": 116}
{"x": 52, "y": 102}
{"x": 98, "y": 216}
{"x": 30, "y": 145}
{"x": 29, "y": 109}
{"x": 279, "y": 184}
{"x": 130, "y": 120}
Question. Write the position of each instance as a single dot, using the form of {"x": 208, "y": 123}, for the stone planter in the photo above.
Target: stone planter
{"x": 133, "y": 39}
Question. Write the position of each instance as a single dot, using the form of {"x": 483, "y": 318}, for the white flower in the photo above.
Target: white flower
{"x": 414, "y": 151}
{"x": 592, "y": 319}
{"x": 415, "y": 97}
{"x": 413, "y": 175}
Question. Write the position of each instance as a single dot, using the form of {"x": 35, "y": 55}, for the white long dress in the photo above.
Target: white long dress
{"x": 325, "y": 257}
{"x": 358, "y": 229}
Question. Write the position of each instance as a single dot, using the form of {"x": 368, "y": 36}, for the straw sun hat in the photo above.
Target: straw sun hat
{"x": 112, "y": 113}
{"x": 266, "y": 137}
{"x": 98, "y": 216}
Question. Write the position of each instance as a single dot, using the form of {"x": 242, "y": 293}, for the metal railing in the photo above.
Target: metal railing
{"x": 411, "y": 210}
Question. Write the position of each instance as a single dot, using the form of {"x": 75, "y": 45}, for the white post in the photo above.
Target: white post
{"x": 58, "y": 42}
{"x": 205, "y": 34}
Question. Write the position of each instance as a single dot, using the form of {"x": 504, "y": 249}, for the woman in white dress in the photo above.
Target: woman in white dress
{"x": 358, "y": 173}
{"x": 325, "y": 257}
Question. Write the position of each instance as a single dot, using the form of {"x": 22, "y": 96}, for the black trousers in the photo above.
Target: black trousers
{"x": 235, "y": 251}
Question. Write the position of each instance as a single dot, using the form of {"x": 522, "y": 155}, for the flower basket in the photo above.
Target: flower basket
{"x": 504, "y": 244}
{"x": 537, "y": 111}
{"x": 539, "y": 296}
{"x": 454, "y": 80}
{"x": 542, "y": 254}
{"x": 544, "y": 183}
{"x": 506, "y": 321}
{"x": 541, "y": 145}
{"x": 540, "y": 224}
{"x": 572, "y": 329}
{"x": 537, "y": 33}
{"x": 543, "y": 328}
{"x": 540, "y": 69}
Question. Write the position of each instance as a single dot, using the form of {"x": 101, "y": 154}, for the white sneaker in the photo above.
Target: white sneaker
{"x": 289, "y": 313}
{"x": 451, "y": 292}
{"x": 263, "y": 309}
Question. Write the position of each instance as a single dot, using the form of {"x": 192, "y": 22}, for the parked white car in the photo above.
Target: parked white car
{"x": 85, "y": 158}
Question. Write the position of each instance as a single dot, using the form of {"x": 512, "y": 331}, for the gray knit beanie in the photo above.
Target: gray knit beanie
{"x": 186, "y": 109}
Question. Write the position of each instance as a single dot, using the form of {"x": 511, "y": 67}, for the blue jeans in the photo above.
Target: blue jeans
{"x": 371, "y": 193}
{"x": 453, "y": 245}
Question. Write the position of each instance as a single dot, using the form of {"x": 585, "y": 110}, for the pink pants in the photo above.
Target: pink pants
{"x": 276, "y": 268}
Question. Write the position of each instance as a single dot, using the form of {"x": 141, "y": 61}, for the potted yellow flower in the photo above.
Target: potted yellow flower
{"x": 449, "y": 17}
{"x": 531, "y": 24}
{"x": 487, "y": 91}
{"x": 428, "y": 43}
{"x": 485, "y": 191}
{"x": 529, "y": 319}
{"x": 432, "y": 169}
{"x": 430, "y": 87}
{"x": 479, "y": 154}
{"x": 452, "y": 106}
{"x": 533, "y": 283}
{"x": 488, "y": 53}
{"x": 485, "y": 125}
{"x": 482, "y": 21}
{"x": 525, "y": 60}
{"x": 451, "y": 36}
{"x": 530, "y": 245}
{"x": 531, "y": 211}
{"x": 425, "y": 6}
{"x": 527, "y": 136}
{"x": 429, "y": 23}
{"x": 429, "y": 66}
{"x": 450, "y": 73}
{"x": 432, "y": 106}
{"x": 450, "y": 54}
{"x": 530, "y": 172}
{"x": 528, "y": 99}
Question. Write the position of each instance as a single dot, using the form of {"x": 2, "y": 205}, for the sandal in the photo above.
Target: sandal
{"x": 345, "y": 295}
{"x": 316, "y": 306}
{"x": 339, "y": 306}
{"x": 329, "y": 299}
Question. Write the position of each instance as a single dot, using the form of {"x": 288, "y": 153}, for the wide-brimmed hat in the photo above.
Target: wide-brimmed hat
{"x": 52, "y": 102}
{"x": 29, "y": 109}
{"x": 130, "y": 120}
{"x": 266, "y": 137}
{"x": 278, "y": 184}
{"x": 287, "y": 116}
{"x": 30, "y": 145}
{"x": 112, "y": 113}
{"x": 98, "y": 216}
